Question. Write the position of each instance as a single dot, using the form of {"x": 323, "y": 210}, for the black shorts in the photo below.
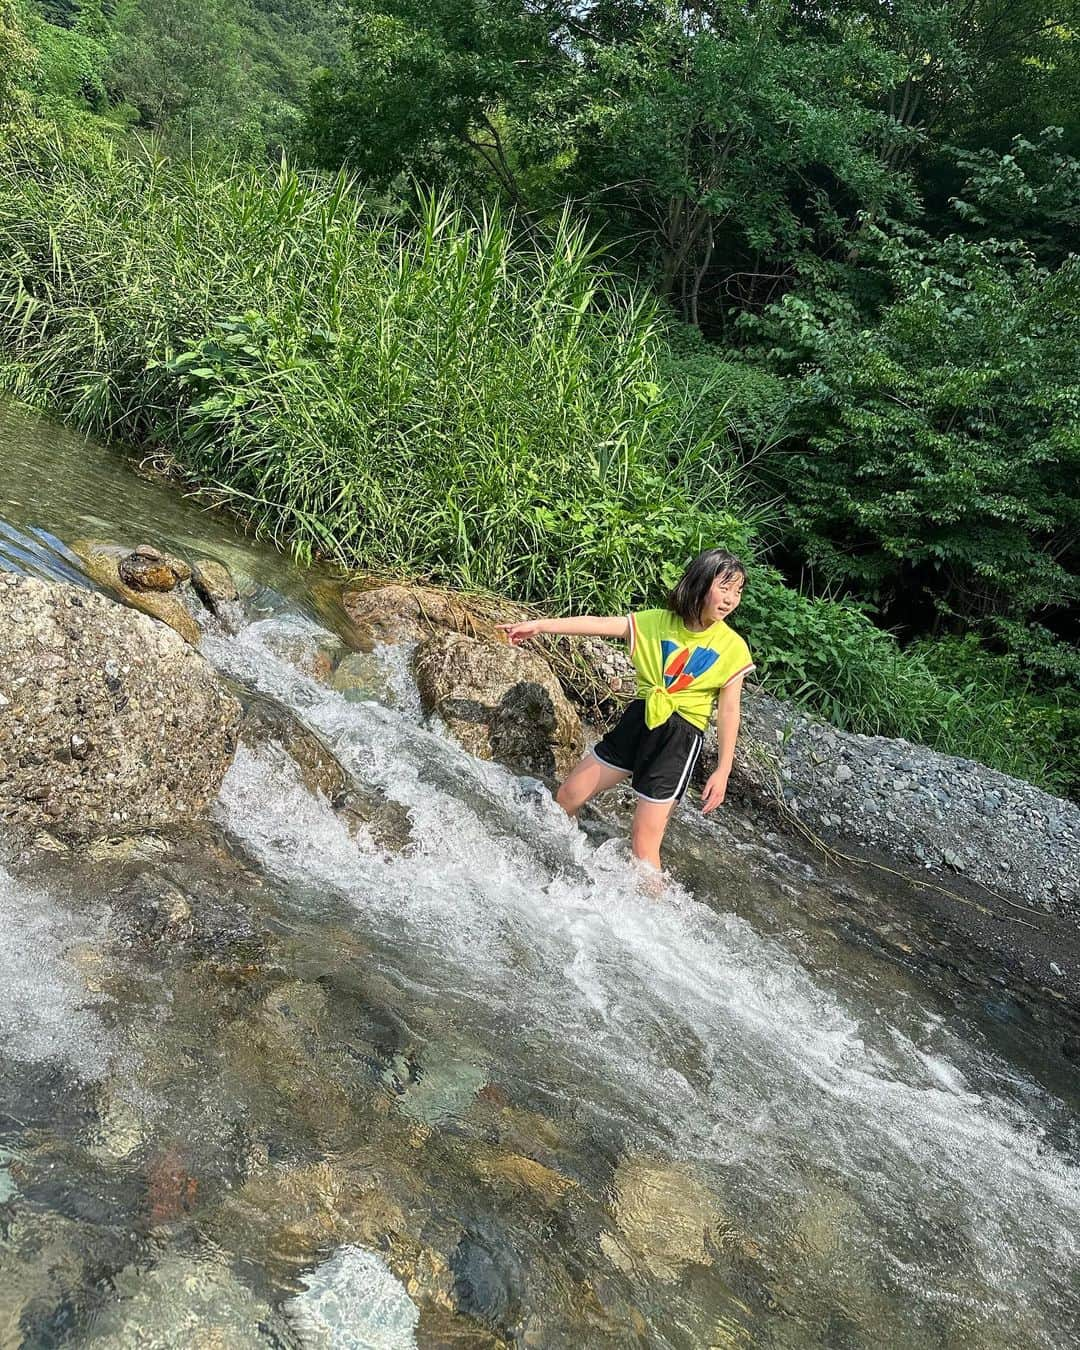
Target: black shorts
{"x": 661, "y": 760}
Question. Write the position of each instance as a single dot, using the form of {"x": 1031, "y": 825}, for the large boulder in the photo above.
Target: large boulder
{"x": 398, "y": 613}
{"x": 499, "y": 702}
{"x": 109, "y": 721}
{"x": 594, "y": 673}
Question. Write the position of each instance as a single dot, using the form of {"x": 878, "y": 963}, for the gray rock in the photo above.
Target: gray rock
{"x": 487, "y": 1276}
{"x": 213, "y": 583}
{"x": 1006, "y": 834}
{"x": 109, "y": 719}
{"x": 183, "y": 1302}
{"x": 266, "y": 720}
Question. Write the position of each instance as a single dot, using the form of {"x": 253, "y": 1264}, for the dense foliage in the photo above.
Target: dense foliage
{"x": 935, "y": 451}
{"x": 229, "y": 76}
{"x": 858, "y": 223}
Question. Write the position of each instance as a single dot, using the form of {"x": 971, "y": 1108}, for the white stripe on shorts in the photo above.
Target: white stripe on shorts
{"x": 692, "y": 759}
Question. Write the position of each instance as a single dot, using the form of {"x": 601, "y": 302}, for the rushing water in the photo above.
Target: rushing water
{"x": 281, "y": 1081}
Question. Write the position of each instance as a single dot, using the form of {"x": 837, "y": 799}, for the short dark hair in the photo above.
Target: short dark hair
{"x": 687, "y": 600}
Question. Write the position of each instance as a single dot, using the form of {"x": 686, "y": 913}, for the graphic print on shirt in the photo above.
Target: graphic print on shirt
{"x": 682, "y": 665}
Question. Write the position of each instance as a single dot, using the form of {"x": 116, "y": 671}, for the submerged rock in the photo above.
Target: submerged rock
{"x": 358, "y": 676}
{"x": 488, "y": 1280}
{"x": 354, "y": 1302}
{"x": 321, "y": 772}
{"x": 183, "y": 1302}
{"x": 665, "y": 1215}
{"x": 41, "y": 1266}
{"x": 443, "y": 1090}
{"x": 499, "y": 702}
{"x": 107, "y": 719}
{"x": 520, "y": 1173}
{"x": 8, "y": 1189}
{"x": 291, "y": 1214}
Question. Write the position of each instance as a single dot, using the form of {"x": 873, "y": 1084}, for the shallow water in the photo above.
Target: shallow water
{"x": 275, "y": 1083}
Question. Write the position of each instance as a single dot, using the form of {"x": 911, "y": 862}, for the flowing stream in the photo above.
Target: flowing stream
{"x": 289, "y": 1081}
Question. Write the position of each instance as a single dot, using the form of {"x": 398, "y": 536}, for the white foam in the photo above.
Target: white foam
{"x": 45, "y": 1012}
{"x": 353, "y": 1302}
{"x": 699, "y": 1036}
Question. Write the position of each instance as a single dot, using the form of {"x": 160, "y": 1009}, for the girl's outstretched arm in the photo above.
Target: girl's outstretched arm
{"x": 586, "y": 626}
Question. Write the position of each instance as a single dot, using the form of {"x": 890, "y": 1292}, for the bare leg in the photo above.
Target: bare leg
{"x": 585, "y": 780}
{"x": 647, "y": 830}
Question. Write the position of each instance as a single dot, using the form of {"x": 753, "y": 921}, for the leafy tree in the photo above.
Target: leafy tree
{"x": 735, "y": 138}
{"x": 226, "y": 73}
{"x": 703, "y": 132}
{"x": 179, "y": 63}
{"x": 1030, "y": 193}
{"x": 430, "y": 91}
{"x": 936, "y": 450}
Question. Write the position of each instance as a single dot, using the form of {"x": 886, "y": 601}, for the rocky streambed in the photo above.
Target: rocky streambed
{"x": 375, "y": 1049}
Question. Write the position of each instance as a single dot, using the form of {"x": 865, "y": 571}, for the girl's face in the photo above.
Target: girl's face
{"x": 723, "y": 597}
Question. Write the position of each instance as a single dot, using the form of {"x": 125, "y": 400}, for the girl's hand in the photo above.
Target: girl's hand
{"x": 714, "y": 792}
{"x": 517, "y": 633}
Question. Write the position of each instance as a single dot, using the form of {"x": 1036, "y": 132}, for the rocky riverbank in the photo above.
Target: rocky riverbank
{"x": 912, "y": 804}
{"x": 535, "y": 709}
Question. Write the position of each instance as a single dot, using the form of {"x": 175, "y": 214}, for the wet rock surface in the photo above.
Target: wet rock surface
{"x": 148, "y": 569}
{"x": 266, "y": 721}
{"x": 499, "y": 702}
{"x": 666, "y": 1217}
{"x": 103, "y": 567}
{"x": 488, "y": 1281}
{"x": 214, "y": 584}
{"x": 107, "y": 719}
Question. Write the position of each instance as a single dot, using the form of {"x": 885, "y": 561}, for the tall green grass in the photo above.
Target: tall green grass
{"x": 394, "y": 394}
{"x": 429, "y": 395}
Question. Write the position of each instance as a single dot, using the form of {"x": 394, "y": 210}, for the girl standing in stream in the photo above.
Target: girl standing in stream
{"x": 688, "y": 662}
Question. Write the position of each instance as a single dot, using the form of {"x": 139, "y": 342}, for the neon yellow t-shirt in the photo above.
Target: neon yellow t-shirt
{"x": 681, "y": 671}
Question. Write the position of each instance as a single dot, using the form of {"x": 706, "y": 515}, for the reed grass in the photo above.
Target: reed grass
{"x": 430, "y": 396}
{"x": 400, "y": 395}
